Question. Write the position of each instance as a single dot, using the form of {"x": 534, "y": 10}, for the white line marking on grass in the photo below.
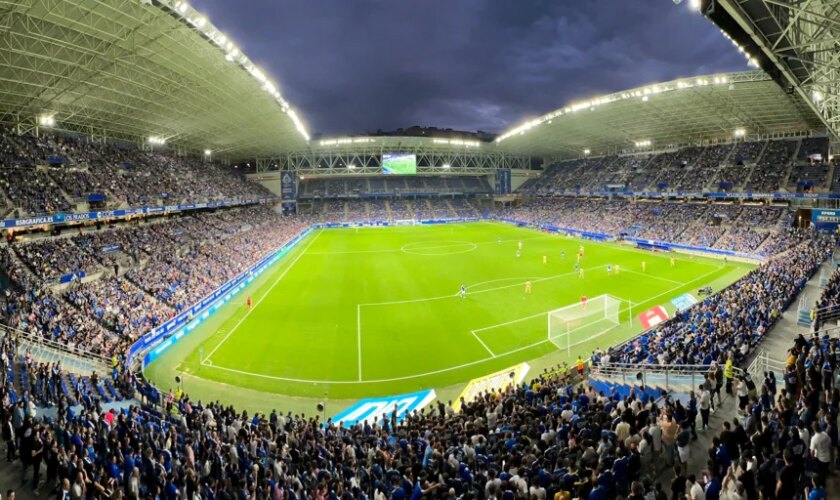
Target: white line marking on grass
{"x": 492, "y": 354}
{"x": 381, "y": 380}
{"x": 359, "y": 337}
{"x": 653, "y": 276}
{"x": 648, "y": 299}
{"x": 208, "y": 363}
{"x": 464, "y": 246}
{"x": 442, "y": 245}
{"x": 266, "y": 294}
{"x": 441, "y": 297}
{"x": 522, "y": 279}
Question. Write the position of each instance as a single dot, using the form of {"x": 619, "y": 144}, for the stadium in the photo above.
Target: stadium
{"x": 635, "y": 295}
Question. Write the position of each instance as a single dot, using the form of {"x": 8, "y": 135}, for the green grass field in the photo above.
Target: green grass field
{"x": 351, "y": 313}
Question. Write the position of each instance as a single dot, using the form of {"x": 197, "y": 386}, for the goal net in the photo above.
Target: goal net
{"x": 575, "y": 324}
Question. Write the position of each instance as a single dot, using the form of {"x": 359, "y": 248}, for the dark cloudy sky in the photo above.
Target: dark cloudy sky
{"x": 351, "y": 66}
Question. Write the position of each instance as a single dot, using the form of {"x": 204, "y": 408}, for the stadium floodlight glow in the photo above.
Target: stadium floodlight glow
{"x": 586, "y": 151}
{"x": 642, "y": 93}
{"x": 190, "y": 16}
{"x": 46, "y": 120}
{"x": 739, "y": 132}
{"x": 156, "y": 140}
{"x": 694, "y": 5}
{"x": 817, "y": 95}
{"x": 458, "y": 142}
{"x": 346, "y": 140}
{"x": 351, "y": 166}
{"x": 207, "y": 152}
{"x": 643, "y": 144}
{"x": 446, "y": 165}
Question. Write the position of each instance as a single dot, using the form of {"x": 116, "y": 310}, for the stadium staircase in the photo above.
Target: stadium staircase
{"x": 789, "y": 167}
{"x": 753, "y": 165}
{"x": 723, "y": 165}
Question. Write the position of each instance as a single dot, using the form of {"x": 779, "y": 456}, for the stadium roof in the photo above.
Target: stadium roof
{"x": 135, "y": 70}
{"x": 798, "y": 42}
{"x": 666, "y": 115}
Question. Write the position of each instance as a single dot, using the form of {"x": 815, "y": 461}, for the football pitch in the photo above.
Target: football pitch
{"x": 376, "y": 311}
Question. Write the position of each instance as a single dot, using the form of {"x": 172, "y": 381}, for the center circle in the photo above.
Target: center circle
{"x": 432, "y": 248}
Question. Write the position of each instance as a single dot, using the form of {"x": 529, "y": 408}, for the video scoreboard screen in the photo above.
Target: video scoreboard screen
{"x": 399, "y": 164}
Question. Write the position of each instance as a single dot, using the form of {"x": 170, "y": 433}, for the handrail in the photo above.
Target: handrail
{"x": 52, "y": 344}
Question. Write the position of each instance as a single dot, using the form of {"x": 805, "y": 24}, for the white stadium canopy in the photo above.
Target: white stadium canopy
{"x": 138, "y": 70}
{"x": 667, "y": 115}
{"x": 159, "y": 71}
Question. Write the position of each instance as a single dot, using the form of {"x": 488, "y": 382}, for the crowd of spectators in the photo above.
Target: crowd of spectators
{"x": 827, "y": 306}
{"x": 547, "y": 438}
{"x": 377, "y": 210}
{"x": 770, "y": 170}
{"x": 167, "y": 265}
{"x": 783, "y": 440}
{"x": 732, "y": 321}
{"x": 52, "y": 173}
{"x": 337, "y": 187}
{"x": 759, "y": 167}
{"x": 729, "y": 227}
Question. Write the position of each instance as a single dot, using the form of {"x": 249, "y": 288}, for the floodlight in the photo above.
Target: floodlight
{"x": 351, "y": 166}
{"x": 817, "y": 95}
{"x": 446, "y": 165}
{"x": 182, "y": 7}
{"x": 586, "y": 151}
{"x": 694, "y": 5}
{"x": 739, "y": 132}
{"x": 46, "y": 120}
{"x": 207, "y": 152}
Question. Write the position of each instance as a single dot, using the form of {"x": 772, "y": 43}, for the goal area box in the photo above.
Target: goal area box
{"x": 578, "y": 323}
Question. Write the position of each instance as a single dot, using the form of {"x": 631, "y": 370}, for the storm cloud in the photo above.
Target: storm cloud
{"x": 355, "y": 66}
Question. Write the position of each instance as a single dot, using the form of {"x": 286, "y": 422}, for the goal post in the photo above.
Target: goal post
{"x": 577, "y": 323}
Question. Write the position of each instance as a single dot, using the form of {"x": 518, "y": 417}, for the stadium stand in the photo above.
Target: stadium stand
{"x": 54, "y": 173}
{"x": 176, "y": 262}
{"x": 741, "y": 228}
{"x": 771, "y": 169}
{"x": 590, "y": 443}
{"x": 327, "y": 187}
{"x": 753, "y": 166}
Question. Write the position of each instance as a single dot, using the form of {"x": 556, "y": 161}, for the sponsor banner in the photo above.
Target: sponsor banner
{"x": 653, "y": 317}
{"x": 62, "y": 218}
{"x": 503, "y": 185}
{"x": 375, "y": 409}
{"x": 495, "y": 382}
{"x": 825, "y": 219}
{"x": 680, "y": 194}
{"x": 288, "y": 188}
{"x": 67, "y": 278}
{"x": 684, "y": 301}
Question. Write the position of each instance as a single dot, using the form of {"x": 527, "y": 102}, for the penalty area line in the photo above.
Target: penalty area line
{"x": 359, "y": 337}
{"x": 492, "y": 354}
